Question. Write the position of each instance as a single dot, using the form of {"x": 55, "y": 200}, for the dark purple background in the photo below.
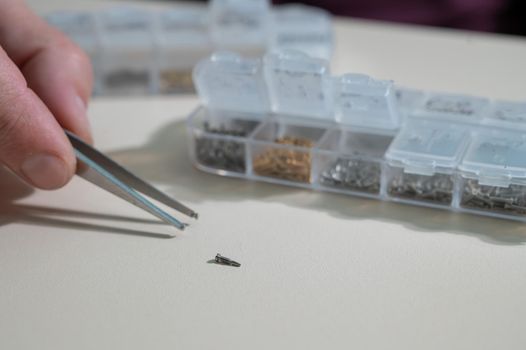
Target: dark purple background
{"x": 506, "y": 16}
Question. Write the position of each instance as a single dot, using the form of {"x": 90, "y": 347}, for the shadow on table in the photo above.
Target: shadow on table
{"x": 13, "y": 189}
{"x": 164, "y": 160}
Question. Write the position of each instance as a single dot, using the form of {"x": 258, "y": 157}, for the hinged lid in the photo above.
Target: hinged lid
{"x": 126, "y": 27}
{"x": 304, "y": 28}
{"x": 496, "y": 157}
{"x": 78, "y": 26}
{"x": 364, "y": 102}
{"x": 73, "y": 23}
{"x": 428, "y": 146}
{"x": 408, "y": 100}
{"x": 299, "y": 85}
{"x": 239, "y": 23}
{"x": 452, "y": 107}
{"x": 230, "y": 82}
{"x": 507, "y": 114}
{"x": 183, "y": 27}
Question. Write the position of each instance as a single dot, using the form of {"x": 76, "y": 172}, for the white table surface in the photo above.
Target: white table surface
{"x": 81, "y": 269}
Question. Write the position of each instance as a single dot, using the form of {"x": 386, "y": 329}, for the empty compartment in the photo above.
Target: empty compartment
{"x": 182, "y": 40}
{"x": 352, "y": 161}
{"x": 127, "y": 59}
{"x": 228, "y": 81}
{"x": 219, "y": 139}
{"x": 299, "y": 85}
{"x": 422, "y": 160}
{"x": 284, "y": 151}
{"x": 493, "y": 173}
{"x": 303, "y": 28}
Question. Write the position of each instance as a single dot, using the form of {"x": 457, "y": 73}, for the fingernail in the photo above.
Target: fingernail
{"x": 45, "y": 171}
{"x": 81, "y": 112}
{"x": 81, "y": 105}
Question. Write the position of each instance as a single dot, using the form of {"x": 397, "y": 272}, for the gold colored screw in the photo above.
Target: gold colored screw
{"x": 286, "y": 164}
{"x": 176, "y": 81}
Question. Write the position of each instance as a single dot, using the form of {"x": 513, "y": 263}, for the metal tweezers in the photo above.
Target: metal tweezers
{"x": 101, "y": 171}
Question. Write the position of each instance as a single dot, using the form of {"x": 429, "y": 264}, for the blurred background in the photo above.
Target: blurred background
{"x": 499, "y": 16}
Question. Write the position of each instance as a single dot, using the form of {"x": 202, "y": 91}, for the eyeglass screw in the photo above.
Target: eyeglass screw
{"x": 226, "y": 261}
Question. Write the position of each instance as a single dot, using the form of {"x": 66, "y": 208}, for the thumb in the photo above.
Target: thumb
{"x": 32, "y": 143}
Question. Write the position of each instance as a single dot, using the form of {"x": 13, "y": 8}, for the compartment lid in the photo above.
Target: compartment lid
{"x": 304, "y": 28}
{"x": 356, "y": 144}
{"x": 496, "y": 157}
{"x": 362, "y": 101}
{"x": 183, "y": 26}
{"x": 234, "y": 22}
{"x": 408, "y": 99}
{"x": 299, "y": 85}
{"x": 298, "y": 16}
{"x": 452, "y": 107}
{"x": 428, "y": 146}
{"x": 78, "y": 26}
{"x": 126, "y": 26}
{"x": 227, "y": 81}
{"x": 508, "y": 114}
{"x": 73, "y": 22}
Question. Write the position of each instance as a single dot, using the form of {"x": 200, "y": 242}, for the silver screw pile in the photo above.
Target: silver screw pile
{"x": 510, "y": 199}
{"x": 224, "y": 154}
{"x": 444, "y": 106}
{"x": 436, "y": 188}
{"x": 353, "y": 174}
{"x": 123, "y": 78}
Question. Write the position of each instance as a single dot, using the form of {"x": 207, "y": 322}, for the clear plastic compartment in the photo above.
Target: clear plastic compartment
{"x": 351, "y": 157}
{"x": 303, "y": 28}
{"x": 299, "y": 85}
{"x": 352, "y": 161}
{"x": 493, "y": 174}
{"x": 228, "y": 81}
{"x": 285, "y": 120}
{"x": 219, "y": 140}
{"x": 452, "y": 107}
{"x": 282, "y": 150}
{"x": 137, "y": 51}
{"x": 182, "y": 40}
{"x": 127, "y": 57}
{"x": 422, "y": 161}
{"x": 240, "y": 25}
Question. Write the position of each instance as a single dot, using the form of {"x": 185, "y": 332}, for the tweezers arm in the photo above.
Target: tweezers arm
{"x": 98, "y": 176}
{"x": 127, "y": 177}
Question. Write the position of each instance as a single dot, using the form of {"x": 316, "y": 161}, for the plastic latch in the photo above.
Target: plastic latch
{"x": 494, "y": 180}
{"x": 419, "y": 168}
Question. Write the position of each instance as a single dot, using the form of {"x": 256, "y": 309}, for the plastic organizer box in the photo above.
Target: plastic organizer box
{"x": 136, "y": 51}
{"x": 284, "y": 119}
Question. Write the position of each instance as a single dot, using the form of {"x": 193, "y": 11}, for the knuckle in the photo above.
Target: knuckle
{"x": 74, "y": 54}
{"x": 78, "y": 61}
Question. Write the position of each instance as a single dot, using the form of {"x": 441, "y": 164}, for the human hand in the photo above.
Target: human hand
{"x": 45, "y": 84}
